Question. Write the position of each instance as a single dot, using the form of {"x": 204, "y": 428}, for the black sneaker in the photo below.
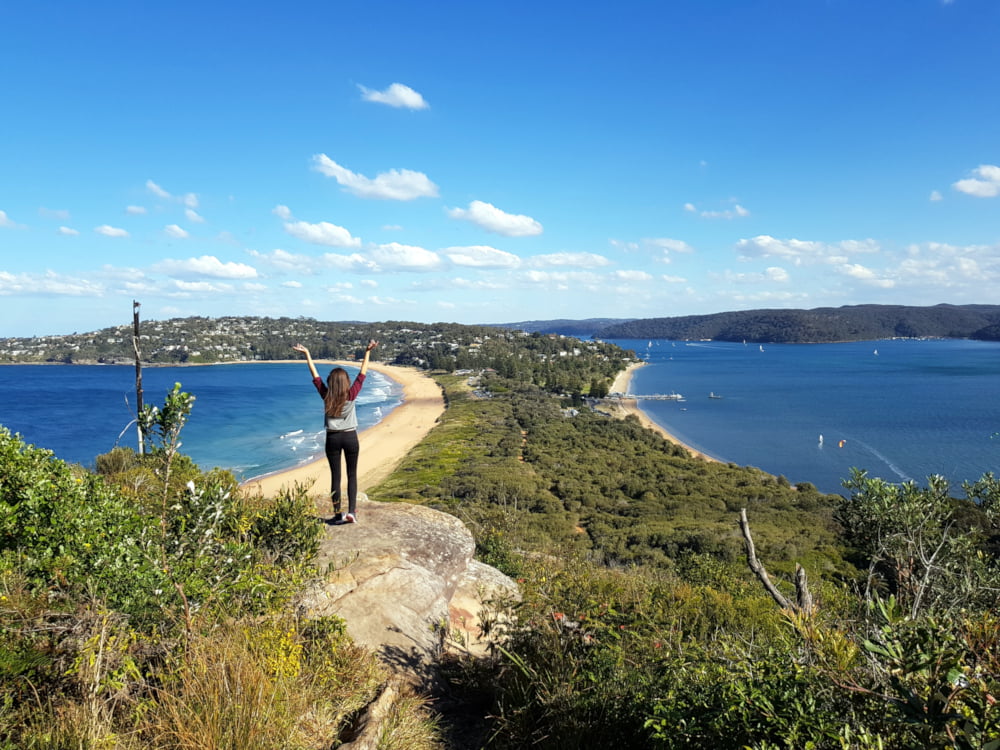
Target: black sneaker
{"x": 337, "y": 518}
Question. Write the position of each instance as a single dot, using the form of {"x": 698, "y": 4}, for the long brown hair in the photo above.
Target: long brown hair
{"x": 338, "y": 386}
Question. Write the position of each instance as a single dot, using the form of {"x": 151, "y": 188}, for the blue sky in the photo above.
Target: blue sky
{"x": 482, "y": 162}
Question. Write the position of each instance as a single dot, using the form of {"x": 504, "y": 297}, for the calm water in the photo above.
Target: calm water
{"x": 903, "y": 409}
{"x": 251, "y": 418}
{"x": 913, "y": 409}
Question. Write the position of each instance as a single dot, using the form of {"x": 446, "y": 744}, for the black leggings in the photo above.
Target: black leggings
{"x": 345, "y": 442}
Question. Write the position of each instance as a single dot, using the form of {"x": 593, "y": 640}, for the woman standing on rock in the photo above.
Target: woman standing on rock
{"x": 338, "y": 395}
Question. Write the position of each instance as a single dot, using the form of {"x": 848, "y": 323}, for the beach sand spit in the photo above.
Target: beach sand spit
{"x": 383, "y": 446}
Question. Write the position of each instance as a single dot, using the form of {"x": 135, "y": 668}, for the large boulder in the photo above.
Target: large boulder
{"x": 392, "y": 577}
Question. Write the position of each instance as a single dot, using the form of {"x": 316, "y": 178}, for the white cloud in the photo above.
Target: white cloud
{"x": 253, "y": 286}
{"x": 157, "y": 190}
{"x": 579, "y": 260}
{"x": 190, "y": 200}
{"x": 690, "y": 208}
{"x": 397, "y": 95}
{"x": 353, "y": 263}
{"x": 292, "y": 284}
{"x": 492, "y": 219}
{"x": 936, "y": 196}
{"x": 193, "y": 215}
{"x": 135, "y": 210}
{"x": 986, "y": 184}
{"x": 775, "y": 273}
{"x": 7, "y": 222}
{"x": 481, "y": 256}
{"x": 187, "y": 288}
{"x": 370, "y": 283}
{"x": 49, "y": 283}
{"x": 282, "y": 212}
{"x": 668, "y": 245}
{"x": 396, "y": 257}
{"x": 801, "y": 251}
{"x": 673, "y": 279}
{"x": 109, "y": 231}
{"x": 392, "y": 227}
{"x": 68, "y": 231}
{"x": 941, "y": 265}
{"x": 323, "y": 233}
{"x": 175, "y": 231}
{"x": 396, "y": 184}
{"x": 866, "y": 275}
{"x": 771, "y": 274}
{"x": 206, "y": 265}
{"x": 622, "y": 275}
{"x": 736, "y": 212}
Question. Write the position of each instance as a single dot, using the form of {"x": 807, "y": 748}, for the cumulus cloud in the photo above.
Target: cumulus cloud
{"x": 492, "y": 219}
{"x": 936, "y": 196}
{"x": 673, "y": 279}
{"x": 736, "y": 212}
{"x": 690, "y": 208}
{"x": 396, "y": 257}
{"x": 206, "y": 265}
{"x": 623, "y": 275}
{"x": 135, "y": 210}
{"x": 481, "y": 256}
{"x": 68, "y": 231}
{"x": 176, "y": 232}
{"x": 396, "y": 184}
{"x": 370, "y": 283}
{"x": 397, "y": 95}
{"x": 578, "y": 260}
{"x": 943, "y": 265}
{"x": 157, "y": 190}
{"x": 193, "y": 215}
{"x": 323, "y": 233}
{"x": 6, "y": 221}
{"x": 190, "y": 200}
{"x": 292, "y": 284}
{"x": 985, "y": 184}
{"x": 109, "y": 231}
{"x": 282, "y": 212}
{"x": 282, "y": 260}
{"x": 47, "y": 284}
{"x": 803, "y": 251}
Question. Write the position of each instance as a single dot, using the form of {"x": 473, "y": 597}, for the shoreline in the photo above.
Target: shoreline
{"x": 383, "y": 445}
{"x": 631, "y": 406}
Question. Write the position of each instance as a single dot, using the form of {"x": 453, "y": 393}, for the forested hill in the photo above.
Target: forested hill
{"x": 822, "y": 324}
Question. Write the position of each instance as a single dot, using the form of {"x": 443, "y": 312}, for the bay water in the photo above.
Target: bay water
{"x": 251, "y": 418}
{"x": 900, "y": 409}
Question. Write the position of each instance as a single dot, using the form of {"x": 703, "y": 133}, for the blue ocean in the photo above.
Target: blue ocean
{"x": 900, "y": 409}
{"x": 253, "y": 419}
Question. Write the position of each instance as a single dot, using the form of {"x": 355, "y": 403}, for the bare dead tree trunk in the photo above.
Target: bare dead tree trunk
{"x": 803, "y": 599}
{"x": 138, "y": 375}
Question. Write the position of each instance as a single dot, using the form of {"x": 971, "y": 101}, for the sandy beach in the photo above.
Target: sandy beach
{"x": 383, "y": 446}
{"x": 630, "y": 406}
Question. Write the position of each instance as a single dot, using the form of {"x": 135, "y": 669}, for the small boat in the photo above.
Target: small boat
{"x": 761, "y": 347}
{"x": 713, "y": 394}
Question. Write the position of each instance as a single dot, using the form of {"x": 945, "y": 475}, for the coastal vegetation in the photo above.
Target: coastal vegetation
{"x": 820, "y": 325}
{"x": 125, "y": 592}
{"x": 148, "y": 605}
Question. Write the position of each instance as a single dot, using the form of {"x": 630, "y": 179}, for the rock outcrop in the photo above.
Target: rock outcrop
{"x": 403, "y": 579}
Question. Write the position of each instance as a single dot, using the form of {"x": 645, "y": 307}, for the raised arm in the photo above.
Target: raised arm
{"x": 372, "y": 343}
{"x": 309, "y": 361}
